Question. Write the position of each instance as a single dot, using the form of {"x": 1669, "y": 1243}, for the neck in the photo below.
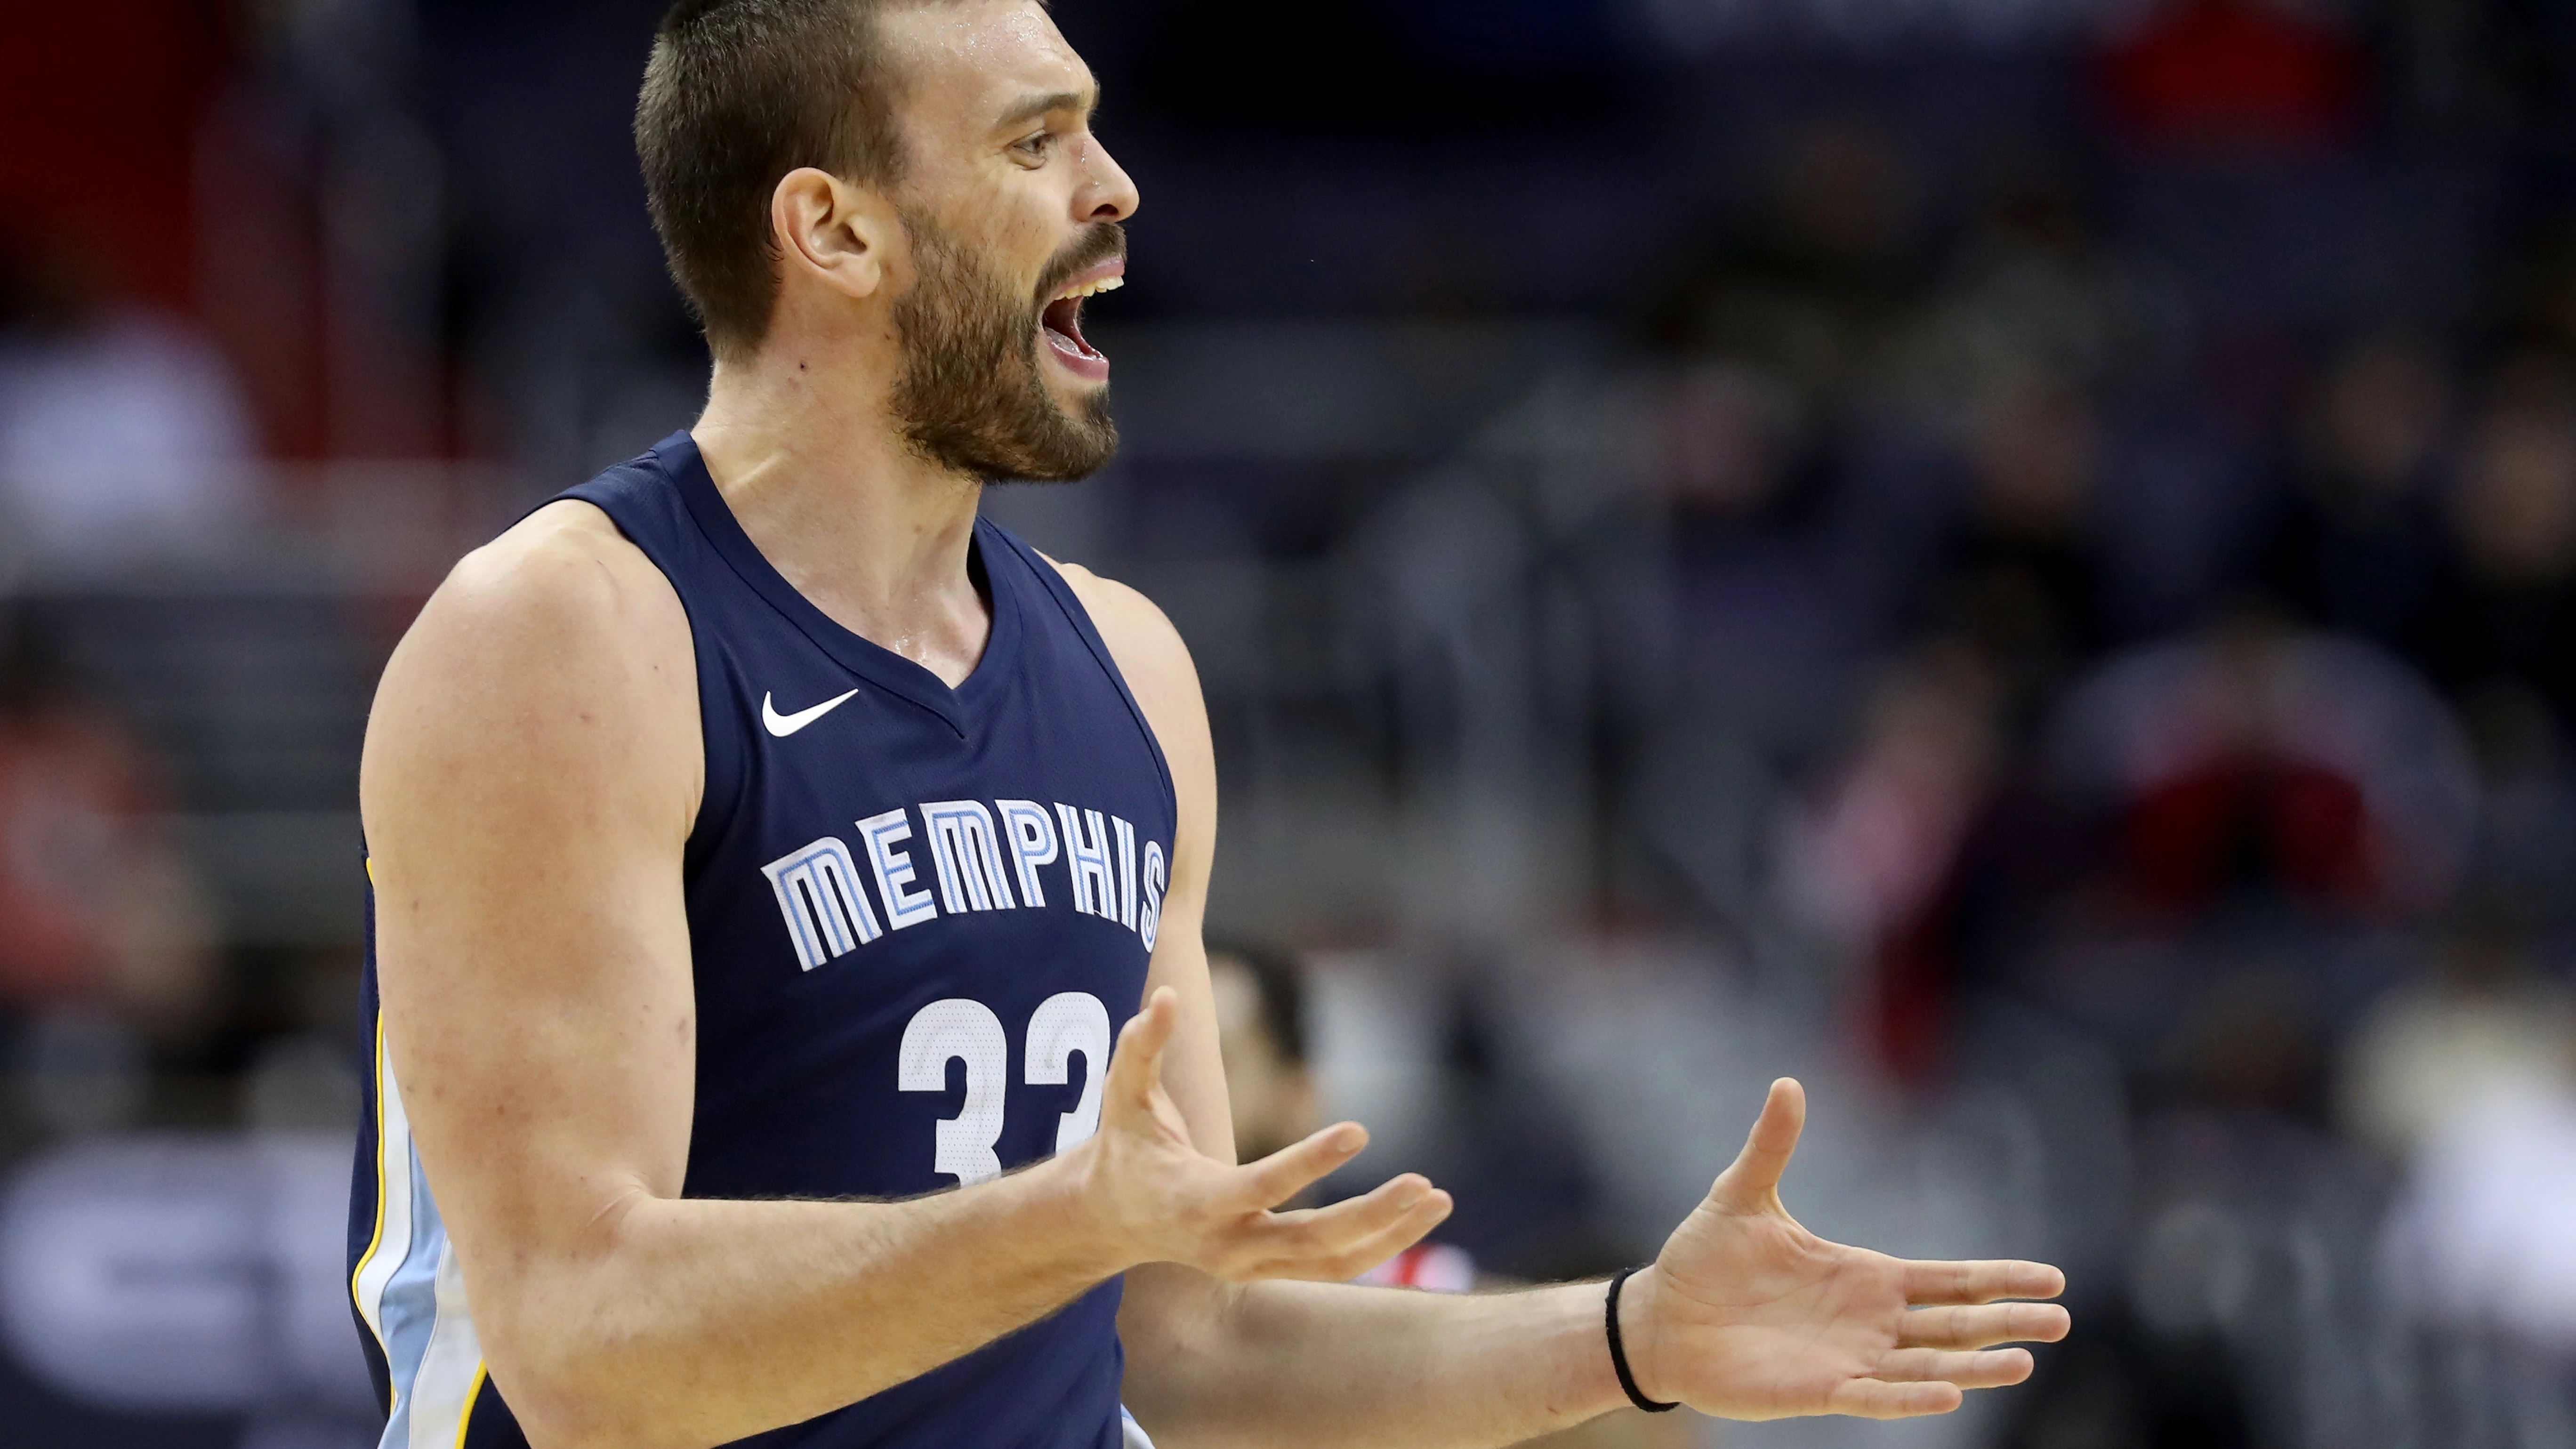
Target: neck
{"x": 813, "y": 465}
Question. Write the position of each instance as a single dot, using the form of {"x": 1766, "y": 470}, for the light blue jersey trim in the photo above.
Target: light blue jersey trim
{"x": 432, "y": 1353}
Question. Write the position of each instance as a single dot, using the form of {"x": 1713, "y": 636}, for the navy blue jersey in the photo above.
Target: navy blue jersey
{"x": 917, "y": 918}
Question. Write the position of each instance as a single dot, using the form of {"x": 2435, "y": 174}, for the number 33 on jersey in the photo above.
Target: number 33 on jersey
{"x": 829, "y": 915}
{"x": 1067, "y": 1025}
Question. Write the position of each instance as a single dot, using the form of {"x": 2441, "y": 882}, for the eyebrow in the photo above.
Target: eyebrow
{"x": 1036, "y": 106}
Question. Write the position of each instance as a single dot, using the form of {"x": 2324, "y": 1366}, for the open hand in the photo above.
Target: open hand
{"x": 1162, "y": 1200}
{"x": 1747, "y": 1315}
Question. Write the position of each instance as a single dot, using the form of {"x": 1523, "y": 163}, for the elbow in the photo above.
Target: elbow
{"x": 570, "y": 1387}
{"x": 1181, "y": 1329}
{"x": 559, "y": 1402}
{"x": 556, "y": 1409}
{"x": 562, "y": 1347}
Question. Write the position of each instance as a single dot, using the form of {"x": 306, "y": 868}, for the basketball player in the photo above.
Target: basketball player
{"x": 786, "y": 894}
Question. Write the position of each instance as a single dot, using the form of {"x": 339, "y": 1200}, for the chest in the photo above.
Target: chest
{"x": 866, "y": 818}
{"x": 915, "y": 922}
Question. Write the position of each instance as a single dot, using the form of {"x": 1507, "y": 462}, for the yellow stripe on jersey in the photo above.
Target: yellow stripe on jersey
{"x": 465, "y": 1420}
{"x": 376, "y": 1240}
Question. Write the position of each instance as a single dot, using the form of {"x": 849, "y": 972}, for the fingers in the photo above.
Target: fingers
{"x": 1983, "y": 1327}
{"x": 1992, "y": 1369}
{"x": 1752, "y": 1184}
{"x": 1412, "y": 1228}
{"x": 1879, "y": 1399}
{"x": 1342, "y": 1241}
{"x": 1945, "y": 1353}
{"x": 1416, "y": 1217}
{"x": 1136, "y": 1065}
{"x": 1348, "y": 1225}
{"x": 1288, "y": 1171}
{"x": 1980, "y": 1282}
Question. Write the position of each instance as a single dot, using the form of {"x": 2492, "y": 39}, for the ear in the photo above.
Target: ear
{"x": 831, "y": 231}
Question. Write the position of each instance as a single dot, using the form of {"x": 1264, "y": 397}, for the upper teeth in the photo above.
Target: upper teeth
{"x": 1085, "y": 289}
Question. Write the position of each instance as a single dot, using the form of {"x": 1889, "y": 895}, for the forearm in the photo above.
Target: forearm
{"x": 694, "y": 1322}
{"x": 1297, "y": 1364}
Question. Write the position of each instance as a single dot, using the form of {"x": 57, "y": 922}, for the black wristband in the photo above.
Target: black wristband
{"x": 1619, "y": 1352}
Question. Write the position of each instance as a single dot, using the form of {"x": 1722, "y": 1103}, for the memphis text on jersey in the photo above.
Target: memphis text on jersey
{"x": 1009, "y": 855}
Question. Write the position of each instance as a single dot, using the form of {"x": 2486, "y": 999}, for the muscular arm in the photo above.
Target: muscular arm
{"x": 532, "y": 769}
{"x": 1744, "y": 1313}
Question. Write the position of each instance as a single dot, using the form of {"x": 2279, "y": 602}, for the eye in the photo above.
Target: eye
{"x": 1036, "y": 146}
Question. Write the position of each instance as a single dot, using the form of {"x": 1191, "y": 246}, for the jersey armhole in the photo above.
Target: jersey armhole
{"x": 1070, "y": 604}
{"x": 722, "y": 778}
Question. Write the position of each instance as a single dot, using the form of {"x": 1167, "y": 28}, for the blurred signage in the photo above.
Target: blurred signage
{"x": 185, "y": 1274}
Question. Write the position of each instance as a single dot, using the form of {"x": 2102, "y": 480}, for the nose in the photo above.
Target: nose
{"x": 1109, "y": 194}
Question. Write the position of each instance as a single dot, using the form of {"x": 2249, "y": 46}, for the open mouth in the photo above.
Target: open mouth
{"x": 1061, "y": 321}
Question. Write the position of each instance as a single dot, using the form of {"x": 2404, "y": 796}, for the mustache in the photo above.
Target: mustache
{"x": 1099, "y": 242}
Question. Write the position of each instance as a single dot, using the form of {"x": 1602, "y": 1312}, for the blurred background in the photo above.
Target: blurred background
{"x": 2013, "y": 558}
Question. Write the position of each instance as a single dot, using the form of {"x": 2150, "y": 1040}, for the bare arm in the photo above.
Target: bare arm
{"x": 532, "y": 771}
{"x": 1744, "y": 1314}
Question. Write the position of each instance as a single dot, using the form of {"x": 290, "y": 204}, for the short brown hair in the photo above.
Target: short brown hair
{"x": 739, "y": 93}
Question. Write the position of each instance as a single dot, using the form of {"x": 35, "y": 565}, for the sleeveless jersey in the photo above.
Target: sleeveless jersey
{"x": 917, "y": 918}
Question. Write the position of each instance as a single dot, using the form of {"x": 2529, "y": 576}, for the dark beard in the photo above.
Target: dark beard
{"x": 971, "y": 397}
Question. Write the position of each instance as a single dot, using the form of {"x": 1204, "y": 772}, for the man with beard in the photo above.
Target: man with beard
{"x": 767, "y": 854}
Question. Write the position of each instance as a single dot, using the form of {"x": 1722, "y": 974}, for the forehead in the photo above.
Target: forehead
{"x": 970, "y": 62}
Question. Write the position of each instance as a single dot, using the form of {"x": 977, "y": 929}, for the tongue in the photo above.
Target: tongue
{"x": 1065, "y": 320}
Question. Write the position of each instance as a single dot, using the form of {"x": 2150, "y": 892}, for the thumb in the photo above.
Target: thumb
{"x": 1752, "y": 1184}
{"x": 1136, "y": 1067}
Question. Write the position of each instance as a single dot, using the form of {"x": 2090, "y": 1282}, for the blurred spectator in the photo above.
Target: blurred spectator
{"x": 2222, "y": 77}
{"x": 2482, "y": 1239}
{"x": 1931, "y": 848}
{"x": 2485, "y": 1028}
{"x": 2510, "y": 617}
{"x": 2257, "y": 763}
{"x": 122, "y": 432}
{"x": 2023, "y": 577}
{"x": 1728, "y": 450}
{"x": 1782, "y": 323}
{"x": 1873, "y": 864}
{"x": 2452, "y": 70}
{"x": 2036, "y": 288}
{"x": 99, "y": 107}
{"x": 1812, "y": 290}
{"x": 1872, "y": 852}
{"x": 99, "y": 917}
{"x": 2354, "y": 545}
{"x": 2526, "y": 846}
{"x": 1261, "y": 1033}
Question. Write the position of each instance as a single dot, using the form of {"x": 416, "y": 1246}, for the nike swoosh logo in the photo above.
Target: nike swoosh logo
{"x": 783, "y": 725}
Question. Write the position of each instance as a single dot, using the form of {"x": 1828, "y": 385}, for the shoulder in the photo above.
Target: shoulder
{"x": 562, "y": 591}
{"x": 564, "y": 565}
{"x": 1140, "y": 636}
{"x": 1159, "y": 672}
{"x": 559, "y": 643}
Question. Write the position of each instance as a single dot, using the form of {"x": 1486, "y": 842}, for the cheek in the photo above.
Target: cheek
{"x": 1033, "y": 222}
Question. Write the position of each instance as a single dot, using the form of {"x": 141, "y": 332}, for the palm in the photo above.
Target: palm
{"x": 1163, "y": 1200}
{"x": 1750, "y": 1316}
{"x": 1771, "y": 1317}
